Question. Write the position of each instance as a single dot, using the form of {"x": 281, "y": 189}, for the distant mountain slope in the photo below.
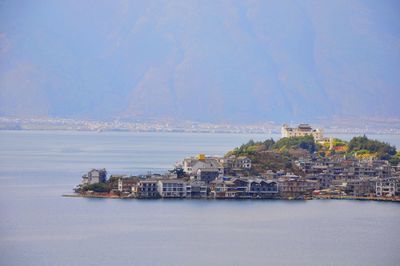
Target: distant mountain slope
{"x": 217, "y": 61}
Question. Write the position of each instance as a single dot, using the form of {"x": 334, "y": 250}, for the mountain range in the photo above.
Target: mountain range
{"x": 207, "y": 61}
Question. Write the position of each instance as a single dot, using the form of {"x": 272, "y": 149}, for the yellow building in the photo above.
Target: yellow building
{"x": 201, "y": 157}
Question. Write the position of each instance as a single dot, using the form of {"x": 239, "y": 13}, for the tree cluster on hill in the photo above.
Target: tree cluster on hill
{"x": 395, "y": 160}
{"x": 383, "y": 151}
{"x": 277, "y": 155}
{"x": 284, "y": 144}
{"x": 252, "y": 146}
{"x": 305, "y": 143}
{"x": 270, "y": 154}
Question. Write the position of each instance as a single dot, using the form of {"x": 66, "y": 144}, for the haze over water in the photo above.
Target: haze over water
{"x": 39, "y": 227}
{"x": 199, "y": 65}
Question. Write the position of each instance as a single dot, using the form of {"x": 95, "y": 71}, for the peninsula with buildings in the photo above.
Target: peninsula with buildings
{"x": 303, "y": 164}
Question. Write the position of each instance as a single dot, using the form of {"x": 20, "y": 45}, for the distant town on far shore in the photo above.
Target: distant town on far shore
{"x": 335, "y": 125}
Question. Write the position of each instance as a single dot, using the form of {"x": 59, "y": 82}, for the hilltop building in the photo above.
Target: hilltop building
{"x": 301, "y": 131}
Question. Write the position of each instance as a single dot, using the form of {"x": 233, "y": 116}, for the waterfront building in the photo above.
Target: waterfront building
{"x": 361, "y": 187}
{"x": 229, "y": 189}
{"x": 240, "y": 187}
{"x": 388, "y": 187}
{"x": 296, "y": 187}
{"x": 262, "y": 188}
{"x": 171, "y": 188}
{"x": 125, "y": 184}
{"x": 94, "y": 176}
{"x": 301, "y": 131}
{"x": 113, "y": 179}
{"x": 196, "y": 190}
{"x": 311, "y": 185}
{"x": 221, "y": 187}
{"x": 146, "y": 189}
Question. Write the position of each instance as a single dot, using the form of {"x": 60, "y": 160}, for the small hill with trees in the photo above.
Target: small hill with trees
{"x": 281, "y": 154}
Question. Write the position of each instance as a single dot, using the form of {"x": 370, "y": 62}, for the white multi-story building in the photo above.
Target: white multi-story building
{"x": 191, "y": 165}
{"x": 388, "y": 187}
{"x": 171, "y": 188}
{"x": 301, "y": 131}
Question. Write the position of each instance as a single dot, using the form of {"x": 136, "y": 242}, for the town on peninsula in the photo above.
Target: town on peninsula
{"x": 303, "y": 164}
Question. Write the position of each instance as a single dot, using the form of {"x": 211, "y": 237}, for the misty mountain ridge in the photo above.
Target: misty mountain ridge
{"x": 208, "y": 61}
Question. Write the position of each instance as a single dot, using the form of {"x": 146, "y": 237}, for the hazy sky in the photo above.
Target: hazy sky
{"x": 218, "y": 61}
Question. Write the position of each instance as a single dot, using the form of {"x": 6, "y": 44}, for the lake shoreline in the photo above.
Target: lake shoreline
{"x": 316, "y": 197}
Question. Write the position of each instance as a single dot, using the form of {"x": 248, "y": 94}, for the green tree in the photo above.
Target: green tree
{"x": 306, "y": 143}
{"x": 178, "y": 171}
{"x": 269, "y": 143}
{"x": 384, "y": 150}
{"x": 97, "y": 187}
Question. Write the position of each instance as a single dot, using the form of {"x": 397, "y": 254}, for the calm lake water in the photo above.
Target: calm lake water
{"x": 39, "y": 227}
